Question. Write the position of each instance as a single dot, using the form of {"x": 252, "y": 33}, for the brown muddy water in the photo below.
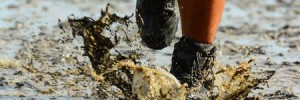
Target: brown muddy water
{"x": 43, "y": 56}
{"x": 143, "y": 82}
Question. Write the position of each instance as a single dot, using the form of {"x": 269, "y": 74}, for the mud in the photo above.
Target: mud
{"x": 119, "y": 70}
{"x": 41, "y": 59}
{"x": 142, "y": 82}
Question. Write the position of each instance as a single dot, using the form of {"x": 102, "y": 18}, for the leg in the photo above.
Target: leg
{"x": 194, "y": 54}
{"x": 200, "y": 19}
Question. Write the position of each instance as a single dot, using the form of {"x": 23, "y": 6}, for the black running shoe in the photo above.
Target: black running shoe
{"x": 192, "y": 64}
{"x": 157, "y": 21}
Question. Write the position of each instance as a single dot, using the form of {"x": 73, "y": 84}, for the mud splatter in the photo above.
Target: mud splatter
{"x": 142, "y": 82}
{"x": 234, "y": 82}
{"x": 97, "y": 47}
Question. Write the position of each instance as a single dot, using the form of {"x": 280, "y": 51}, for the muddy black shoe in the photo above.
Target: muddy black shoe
{"x": 157, "y": 21}
{"x": 192, "y": 64}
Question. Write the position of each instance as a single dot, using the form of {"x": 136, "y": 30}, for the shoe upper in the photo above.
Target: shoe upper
{"x": 192, "y": 64}
{"x": 157, "y": 21}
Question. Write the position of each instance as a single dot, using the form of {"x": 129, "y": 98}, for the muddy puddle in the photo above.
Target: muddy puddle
{"x": 47, "y": 53}
{"x": 134, "y": 81}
